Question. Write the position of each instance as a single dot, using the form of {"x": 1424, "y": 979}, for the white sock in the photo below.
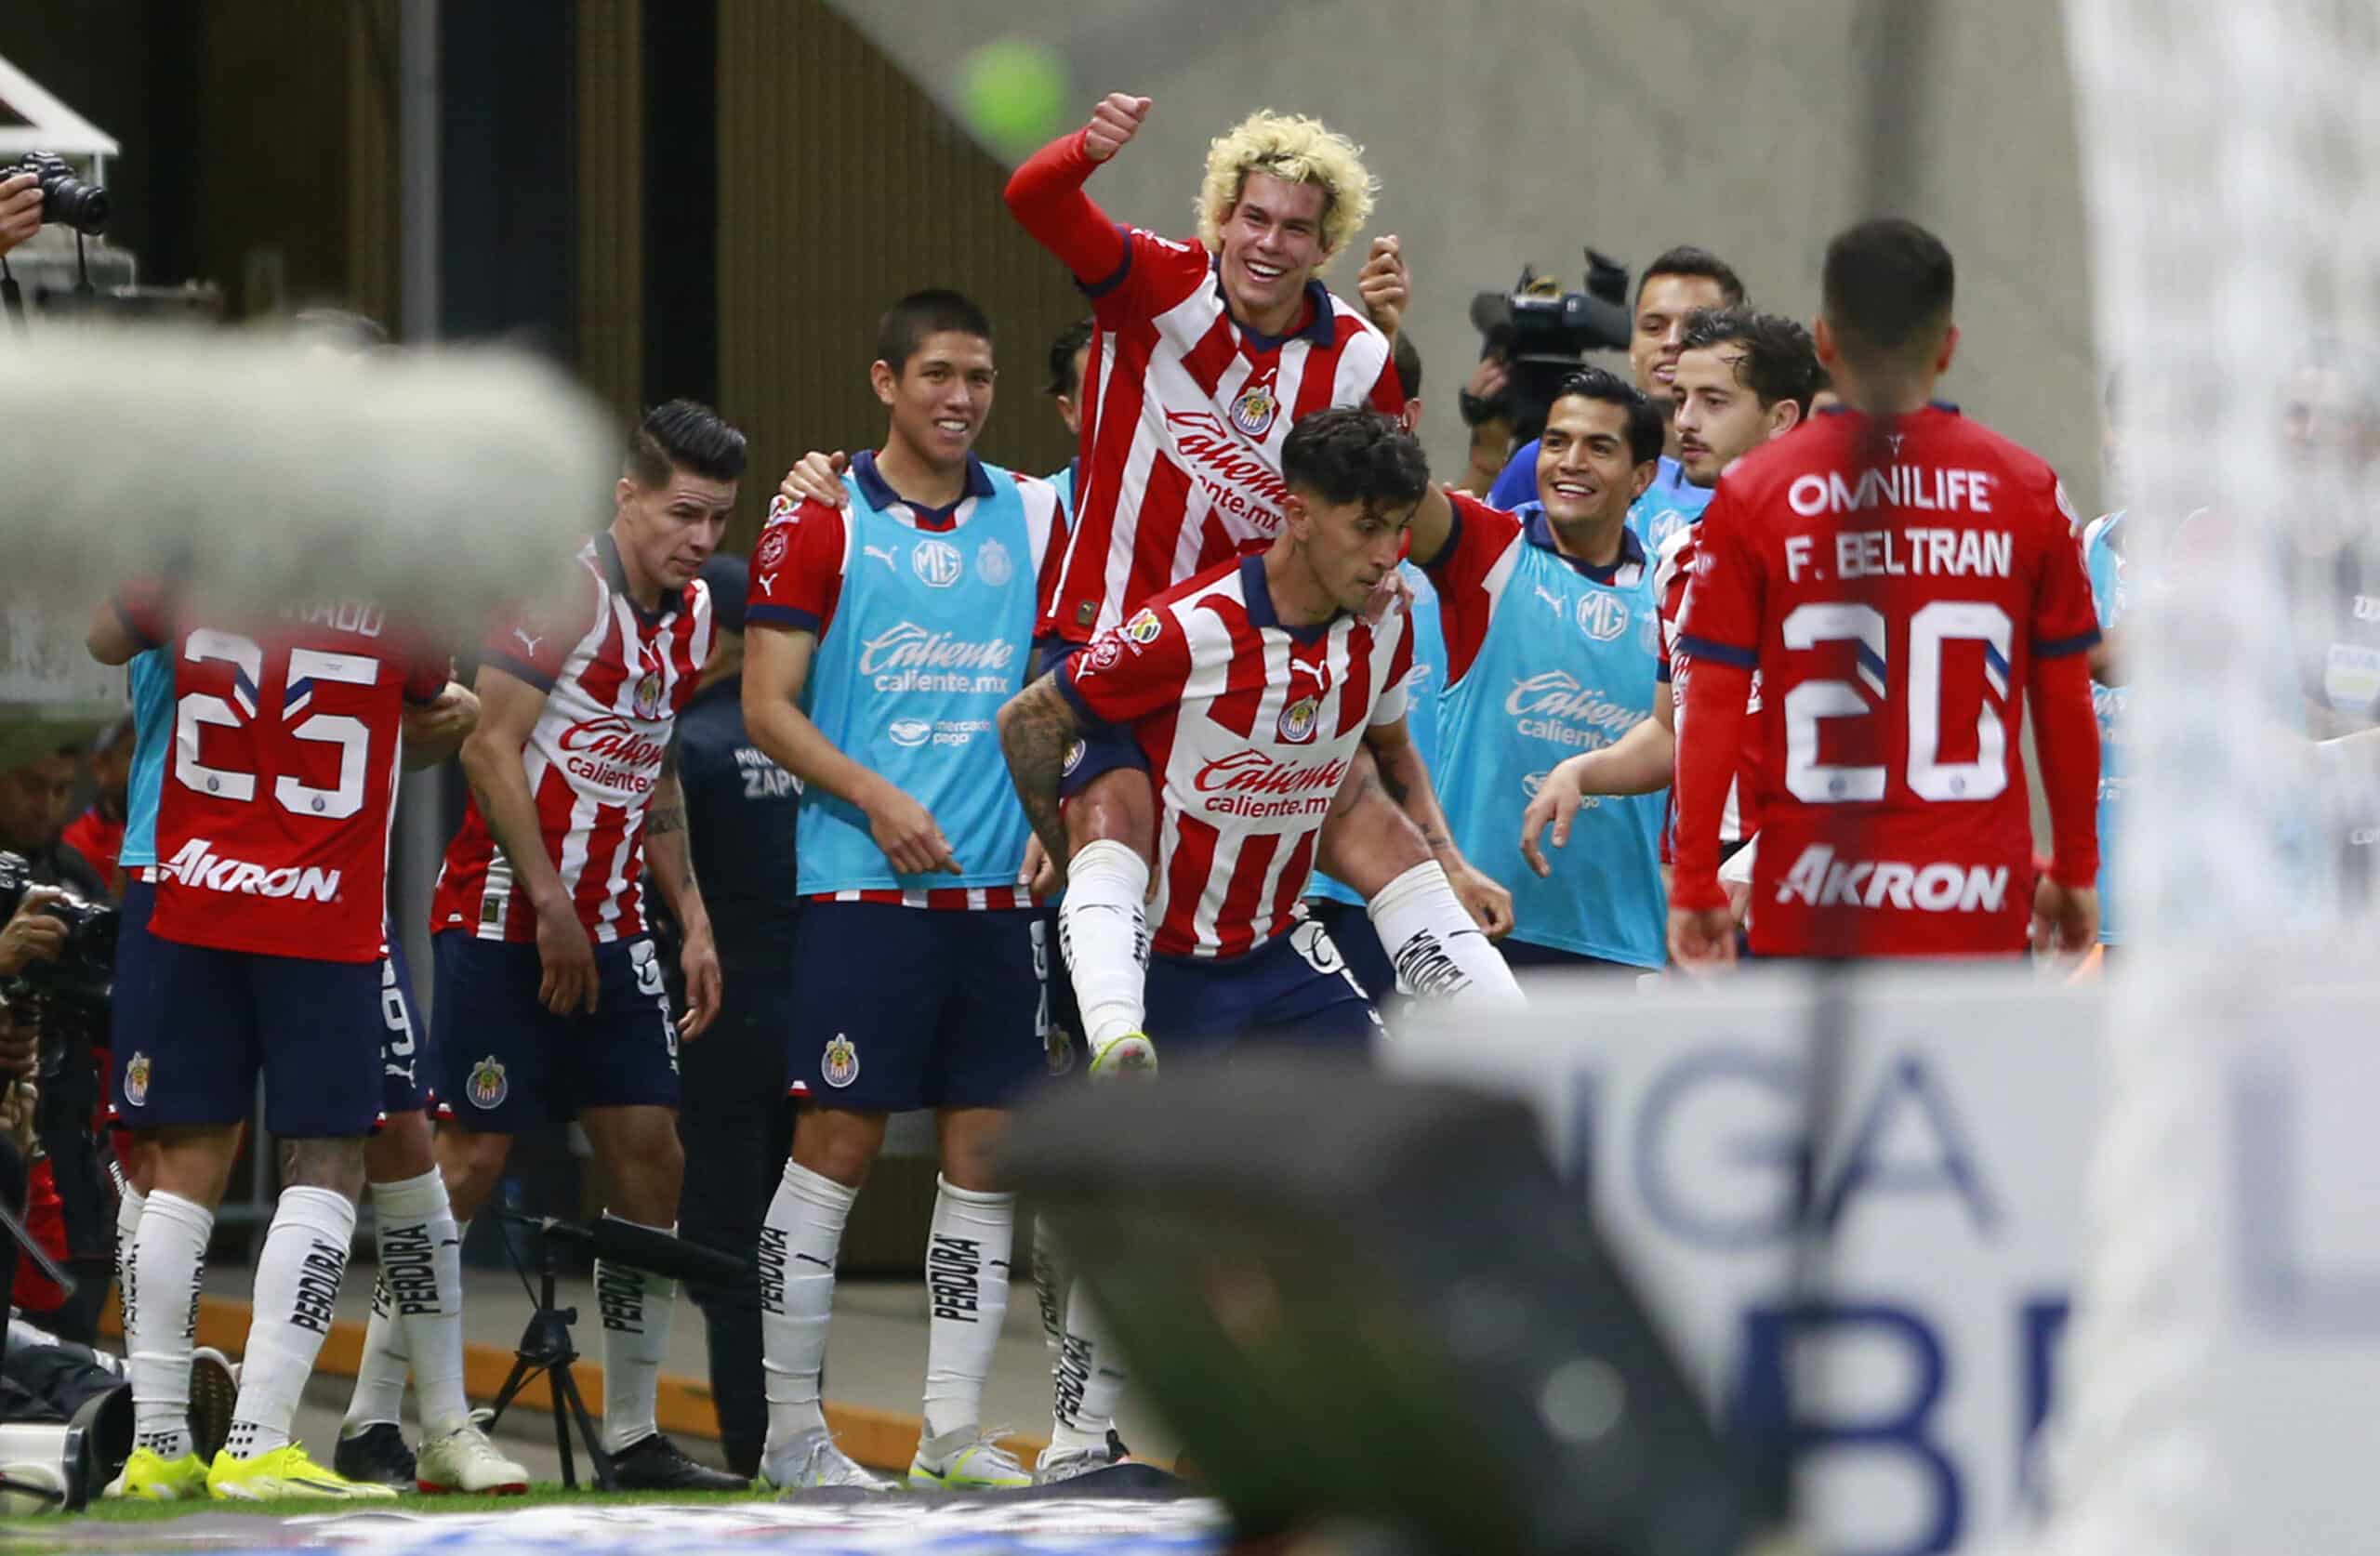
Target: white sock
{"x": 1087, "y": 1382}
{"x": 416, "y": 1309}
{"x": 637, "y": 1307}
{"x": 1048, "y": 1286}
{"x": 1103, "y": 927}
{"x": 128, "y": 1226}
{"x": 1439, "y": 952}
{"x": 380, "y": 1371}
{"x": 966, "y": 1271}
{"x": 168, "y": 1259}
{"x": 798, "y": 1241}
{"x": 298, "y": 1279}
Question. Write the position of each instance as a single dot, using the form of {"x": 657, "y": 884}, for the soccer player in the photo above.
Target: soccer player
{"x": 550, "y": 997}
{"x": 417, "y": 1322}
{"x": 1742, "y": 378}
{"x": 263, "y": 951}
{"x": 1901, "y": 578}
{"x": 1678, "y": 284}
{"x": 919, "y": 956}
{"x": 1247, "y": 689}
{"x": 1069, "y": 359}
{"x": 1550, "y": 644}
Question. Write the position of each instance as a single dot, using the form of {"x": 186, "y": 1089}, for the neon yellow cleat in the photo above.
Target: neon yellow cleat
{"x": 968, "y": 1459}
{"x": 1131, "y": 1056}
{"x": 286, "y": 1471}
{"x": 151, "y": 1476}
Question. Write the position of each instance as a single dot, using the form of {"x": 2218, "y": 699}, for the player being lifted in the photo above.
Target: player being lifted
{"x": 550, "y": 1000}
{"x": 1206, "y": 354}
{"x": 919, "y": 959}
{"x": 1900, "y": 578}
{"x": 263, "y": 952}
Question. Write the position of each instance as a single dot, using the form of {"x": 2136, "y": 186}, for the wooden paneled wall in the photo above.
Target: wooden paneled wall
{"x": 610, "y": 201}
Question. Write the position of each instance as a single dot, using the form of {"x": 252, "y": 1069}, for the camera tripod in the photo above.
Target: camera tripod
{"x": 546, "y": 1348}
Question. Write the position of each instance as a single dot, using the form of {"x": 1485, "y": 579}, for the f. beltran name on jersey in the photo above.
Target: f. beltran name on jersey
{"x": 200, "y": 866}
{"x": 1820, "y": 879}
{"x": 1909, "y": 551}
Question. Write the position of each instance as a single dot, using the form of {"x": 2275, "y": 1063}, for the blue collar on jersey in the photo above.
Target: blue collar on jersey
{"x": 1320, "y": 330}
{"x": 1539, "y": 530}
{"x": 881, "y": 496}
{"x": 1260, "y": 602}
{"x": 609, "y": 550}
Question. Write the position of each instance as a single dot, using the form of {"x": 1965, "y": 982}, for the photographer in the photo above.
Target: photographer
{"x": 20, "y": 210}
{"x": 59, "y": 995}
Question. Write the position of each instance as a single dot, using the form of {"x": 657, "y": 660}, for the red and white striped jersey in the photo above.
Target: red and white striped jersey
{"x": 1184, "y": 412}
{"x": 614, "y": 678}
{"x": 1672, "y": 571}
{"x": 1249, "y": 727}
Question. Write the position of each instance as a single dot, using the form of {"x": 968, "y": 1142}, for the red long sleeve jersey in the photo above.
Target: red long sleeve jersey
{"x": 1185, "y": 409}
{"x": 1894, "y": 589}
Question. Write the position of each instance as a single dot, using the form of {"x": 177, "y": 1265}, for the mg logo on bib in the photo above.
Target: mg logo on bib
{"x": 1601, "y": 616}
{"x": 935, "y": 563}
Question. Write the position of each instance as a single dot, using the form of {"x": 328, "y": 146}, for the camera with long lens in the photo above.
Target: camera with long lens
{"x": 1543, "y": 333}
{"x": 66, "y": 199}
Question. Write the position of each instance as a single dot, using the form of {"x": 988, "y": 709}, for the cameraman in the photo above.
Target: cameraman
{"x": 70, "y": 1202}
{"x": 20, "y": 210}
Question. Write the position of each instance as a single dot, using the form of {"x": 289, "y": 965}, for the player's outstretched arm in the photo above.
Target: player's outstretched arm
{"x": 509, "y": 709}
{"x": 111, "y": 638}
{"x": 1641, "y": 762}
{"x": 1406, "y": 778}
{"x": 1045, "y": 193}
{"x": 776, "y": 667}
{"x": 1038, "y": 728}
{"x": 668, "y": 854}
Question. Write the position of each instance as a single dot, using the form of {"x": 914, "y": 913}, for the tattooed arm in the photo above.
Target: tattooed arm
{"x": 671, "y": 861}
{"x": 1038, "y": 727}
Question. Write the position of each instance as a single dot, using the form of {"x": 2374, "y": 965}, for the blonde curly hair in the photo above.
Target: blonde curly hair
{"x": 1296, "y": 150}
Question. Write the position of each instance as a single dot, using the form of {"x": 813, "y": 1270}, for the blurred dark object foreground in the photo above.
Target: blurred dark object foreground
{"x": 1368, "y": 1302}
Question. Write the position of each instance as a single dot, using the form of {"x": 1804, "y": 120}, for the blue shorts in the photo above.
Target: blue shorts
{"x": 906, "y": 1008}
{"x": 193, "y": 1026}
{"x": 1103, "y": 748}
{"x": 1295, "y": 989}
{"x": 408, "y": 1073}
{"x": 509, "y": 1063}
{"x": 1520, "y": 954}
{"x": 1350, "y": 929}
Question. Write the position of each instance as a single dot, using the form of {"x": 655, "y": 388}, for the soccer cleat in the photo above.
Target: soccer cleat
{"x": 464, "y": 1459}
{"x": 812, "y": 1461}
{"x": 286, "y": 1471}
{"x": 1130, "y": 1055}
{"x": 1063, "y": 1464}
{"x": 214, "y": 1389}
{"x": 654, "y": 1464}
{"x": 968, "y": 1459}
{"x": 376, "y": 1455}
{"x": 150, "y": 1476}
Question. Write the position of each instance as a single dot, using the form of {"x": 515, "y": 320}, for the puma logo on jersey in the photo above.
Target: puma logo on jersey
{"x": 1820, "y": 879}
{"x": 527, "y": 642}
{"x": 198, "y": 865}
{"x": 883, "y": 554}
